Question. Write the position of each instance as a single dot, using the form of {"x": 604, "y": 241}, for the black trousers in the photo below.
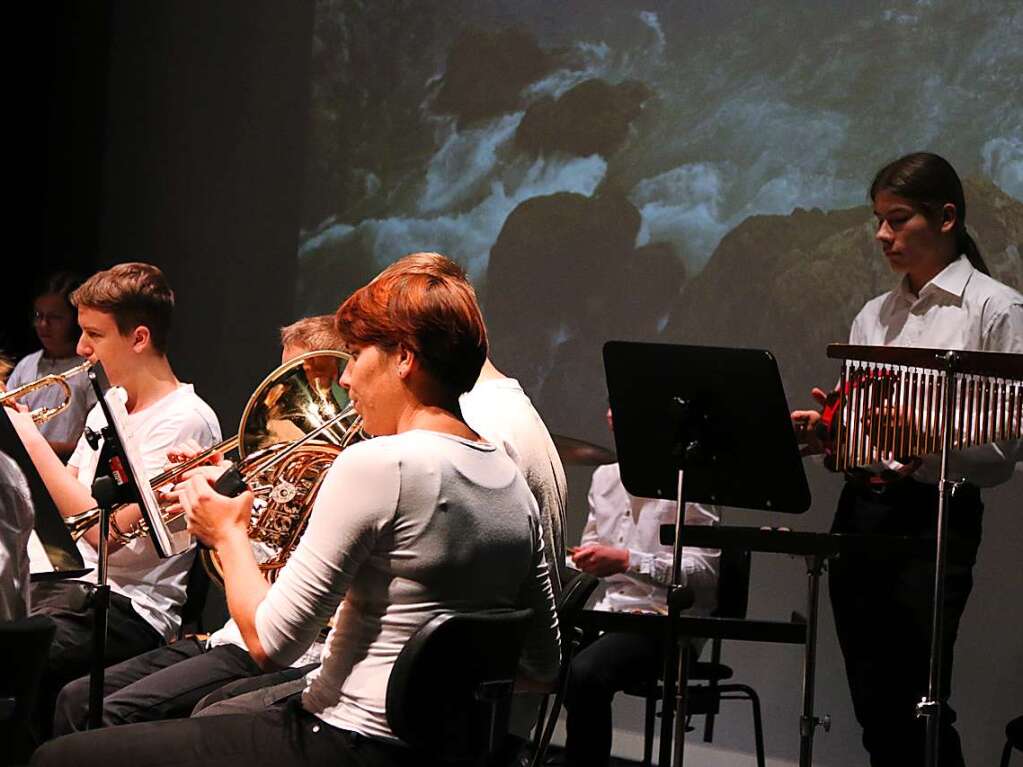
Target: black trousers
{"x": 277, "y": 737}
{"x": 246, "y": 696}
{"x": 599, "y": 671}
{"x": 164, "y": 683}
{"x": 70, "y": 605}
{"x": 882, "y": 608}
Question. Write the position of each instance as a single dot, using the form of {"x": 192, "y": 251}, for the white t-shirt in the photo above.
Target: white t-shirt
{"x": 230, "y": 634}
{"x": 500, "y": 412}
{"x": 405, "y": 527}
{"x": 16, "y": 521}
{"x": 155, "y": 586}
{"x": 67, "y": 426}
{"x": 621, "y": 520}
{"x": 960, "y": 308}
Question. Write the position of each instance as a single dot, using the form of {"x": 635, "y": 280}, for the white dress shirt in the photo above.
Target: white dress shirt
{"x": 960, "y": 308}
{"x": 623, "y": 521}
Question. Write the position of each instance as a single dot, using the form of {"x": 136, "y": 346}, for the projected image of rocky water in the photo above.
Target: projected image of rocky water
{"x": 683, "y": 172}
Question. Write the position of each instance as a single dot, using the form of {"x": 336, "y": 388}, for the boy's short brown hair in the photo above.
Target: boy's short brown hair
{"x": 135, "y": 294}
{"x": 312, "y": 334}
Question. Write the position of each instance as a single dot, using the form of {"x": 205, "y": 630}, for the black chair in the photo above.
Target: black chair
{"x": 197, "y": 589}
{"x": 574, "y": 595}
{"x": 24, "y": 645}
{"x": 705, "y": 690}
{"x": 1013, "y": 739}
{"x": 450, "y": 689}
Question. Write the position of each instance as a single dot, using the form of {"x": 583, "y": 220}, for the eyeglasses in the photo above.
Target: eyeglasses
{"x": 40, "y": 317}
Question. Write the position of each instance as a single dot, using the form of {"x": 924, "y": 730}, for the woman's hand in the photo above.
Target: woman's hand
{"x": 804, "y": 422}
{"x": 213, "y": 518}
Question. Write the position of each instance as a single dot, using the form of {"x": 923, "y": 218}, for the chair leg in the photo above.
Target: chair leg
{"x": 544, "y": 742}
{"x": 1006, "y": 752}
{"x": 713, "y": 684}
{"x": 648, "y": 728}
{"x": 541, "y": 722}
{"x": 742, "y": 691}
{"x": 758, "y": 726}
{"x": 540, "y": 753}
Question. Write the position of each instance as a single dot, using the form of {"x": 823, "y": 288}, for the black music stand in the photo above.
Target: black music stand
{"x": 686, "y": 420}
{"x": 120, "y": 478}
{"x": 50, "y": 528}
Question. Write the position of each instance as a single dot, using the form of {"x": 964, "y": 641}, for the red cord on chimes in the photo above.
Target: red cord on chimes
{"x": 889, "y": 404}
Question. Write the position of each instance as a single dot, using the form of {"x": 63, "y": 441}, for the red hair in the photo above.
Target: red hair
{"x": 429, "y": 308}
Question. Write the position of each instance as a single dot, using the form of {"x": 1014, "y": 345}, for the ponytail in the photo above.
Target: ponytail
{"x": 968, "y": 246}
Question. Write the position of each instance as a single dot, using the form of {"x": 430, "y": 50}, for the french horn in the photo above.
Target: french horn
{"x": 292, "y": 429}
{"x": 295, "y": 424}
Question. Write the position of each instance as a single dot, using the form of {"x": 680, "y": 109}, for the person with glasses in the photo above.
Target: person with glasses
{"x": 56, "y": 324}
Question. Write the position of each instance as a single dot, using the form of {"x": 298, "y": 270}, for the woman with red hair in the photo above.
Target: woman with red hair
{"x": 424, "y": 518}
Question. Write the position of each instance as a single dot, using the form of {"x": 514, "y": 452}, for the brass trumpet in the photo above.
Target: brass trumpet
{"x": 294, "y": 425}
{"x": 42, "y": 414}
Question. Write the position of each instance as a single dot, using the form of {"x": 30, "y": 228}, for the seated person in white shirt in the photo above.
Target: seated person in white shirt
{"x": 167, "y": 682}
{"x": 125, "y": 315}
{"x": 621, "y": 544}
{"x": 54, "y": 318}
{"x": 424, "y": 518}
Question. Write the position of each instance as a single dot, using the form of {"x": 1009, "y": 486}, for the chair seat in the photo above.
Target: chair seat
{"x": 700, "y": 672}
{"x": 710, "y": 672}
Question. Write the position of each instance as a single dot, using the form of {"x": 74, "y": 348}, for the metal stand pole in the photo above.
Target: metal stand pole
{"x": 676, "y": 657}
{"x": 930, "y": 706}
{"x": 104, "y": 491}
{"x": 100, "y": 606}
{"x": 808, "y": 722}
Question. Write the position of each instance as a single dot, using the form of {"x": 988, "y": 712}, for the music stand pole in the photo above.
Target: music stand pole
{"x": 930, "y": 706}
{"x": 808, "y": 721}
{"x": 104, "y": 491}
{"x": 676, "y": 653}
{"x": 100, "y": 606}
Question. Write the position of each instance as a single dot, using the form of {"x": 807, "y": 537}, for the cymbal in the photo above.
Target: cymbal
{"x": 576, "y": 452}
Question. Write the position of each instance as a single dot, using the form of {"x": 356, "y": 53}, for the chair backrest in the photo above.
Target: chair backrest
{"x": 24, "y": 647}
{"x": 733, "y": 583}
{"x": 197, "y": 589}
{"x": 575, "y": 592}
{"x": 450, "y": 688}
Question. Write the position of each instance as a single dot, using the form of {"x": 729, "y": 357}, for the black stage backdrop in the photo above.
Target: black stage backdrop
{"x": 673, "y": 171}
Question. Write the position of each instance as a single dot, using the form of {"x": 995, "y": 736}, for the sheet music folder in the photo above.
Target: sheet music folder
{"x": 718, "y": 413}
{"x": 50, "y": 529}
